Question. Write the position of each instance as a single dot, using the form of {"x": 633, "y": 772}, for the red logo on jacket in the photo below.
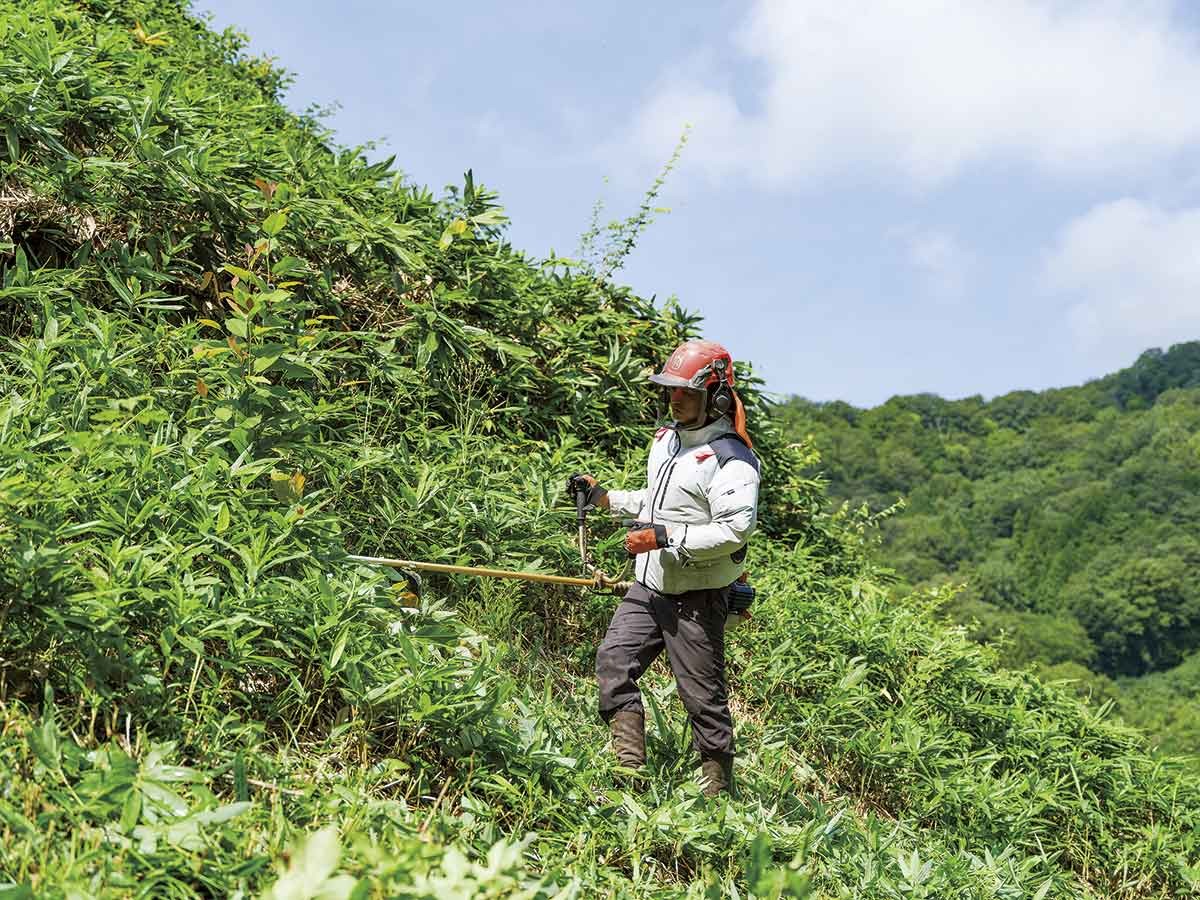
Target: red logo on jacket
{"x": 701, "y": 457}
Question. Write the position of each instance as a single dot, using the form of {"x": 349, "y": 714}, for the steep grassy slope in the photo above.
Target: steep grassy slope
{"x": 235, "y": 354}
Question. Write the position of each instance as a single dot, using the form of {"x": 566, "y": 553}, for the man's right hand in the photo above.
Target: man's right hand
{"x": 596, "y": 495}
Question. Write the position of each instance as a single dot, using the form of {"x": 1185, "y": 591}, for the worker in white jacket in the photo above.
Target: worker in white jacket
{"x": 693, "y": 521}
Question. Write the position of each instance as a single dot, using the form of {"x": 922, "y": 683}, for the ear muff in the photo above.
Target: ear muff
{"x": 720, "y": 400}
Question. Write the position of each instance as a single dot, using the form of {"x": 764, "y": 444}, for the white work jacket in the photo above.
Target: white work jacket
{"x": 702, "y": 484}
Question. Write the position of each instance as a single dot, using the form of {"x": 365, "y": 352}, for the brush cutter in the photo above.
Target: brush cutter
{"x": 741, "y": 594}
{"x": 596, "y": 581}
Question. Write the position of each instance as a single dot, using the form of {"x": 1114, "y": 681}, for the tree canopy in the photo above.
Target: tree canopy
{"x": 1071, "y": 516}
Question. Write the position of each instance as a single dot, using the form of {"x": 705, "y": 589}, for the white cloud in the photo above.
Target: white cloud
{"x": 926, "y": 87}
{"x": 942, "y": 261}
{"x": 1133, "y": 273}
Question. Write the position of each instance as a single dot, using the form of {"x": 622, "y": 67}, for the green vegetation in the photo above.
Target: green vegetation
{"x": 1072, "y": 516}
{"x": 233, "y": 353}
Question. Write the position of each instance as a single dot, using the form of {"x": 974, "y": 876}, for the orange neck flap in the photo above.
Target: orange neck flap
{"x": 739, "y": 420}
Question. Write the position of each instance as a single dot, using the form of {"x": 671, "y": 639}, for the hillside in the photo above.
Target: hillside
{"x": 1071, "y": 515}
{"x": 235, "y": 352}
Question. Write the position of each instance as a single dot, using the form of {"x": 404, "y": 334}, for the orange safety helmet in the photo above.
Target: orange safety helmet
{"x": 706, "y": 366}
{"x": 696, "y": 365}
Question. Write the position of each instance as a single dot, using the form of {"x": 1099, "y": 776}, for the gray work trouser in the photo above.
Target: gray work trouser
{"x": 691, "y": 626}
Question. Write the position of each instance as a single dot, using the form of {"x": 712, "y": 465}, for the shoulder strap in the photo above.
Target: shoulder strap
{"x": 730, "y": 446}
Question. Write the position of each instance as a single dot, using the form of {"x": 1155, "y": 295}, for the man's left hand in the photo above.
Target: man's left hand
{"x": 644, "y": 537}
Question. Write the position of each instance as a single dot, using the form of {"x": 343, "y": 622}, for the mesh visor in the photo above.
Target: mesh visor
{"x": 671, "y": 381}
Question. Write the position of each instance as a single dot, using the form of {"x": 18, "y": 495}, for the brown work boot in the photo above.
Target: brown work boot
{"x": 716, "y": 773}
{"x": 629, "y": 737}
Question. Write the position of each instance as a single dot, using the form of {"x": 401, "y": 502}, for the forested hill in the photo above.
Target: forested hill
{"x": 1072, "y": 515}
{"x": 233, "y": 352}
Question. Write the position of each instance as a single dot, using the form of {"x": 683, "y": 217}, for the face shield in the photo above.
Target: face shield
{"x": 687, "y": 406}
{"x": 689, "y": 388}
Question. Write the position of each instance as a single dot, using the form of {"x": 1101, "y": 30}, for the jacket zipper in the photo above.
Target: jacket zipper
{"x": 657, "y": 488}
{"x": 663, "y": 497}
{"x": 666, "y": 462}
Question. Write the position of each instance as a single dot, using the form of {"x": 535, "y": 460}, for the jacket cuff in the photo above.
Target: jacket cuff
{"x": 676, "y": 542}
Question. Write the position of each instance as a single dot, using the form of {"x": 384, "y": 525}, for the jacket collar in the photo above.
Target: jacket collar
{"x": 694, "y": 437}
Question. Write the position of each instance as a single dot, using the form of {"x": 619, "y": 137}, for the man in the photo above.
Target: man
{"x": 694, "y": 518}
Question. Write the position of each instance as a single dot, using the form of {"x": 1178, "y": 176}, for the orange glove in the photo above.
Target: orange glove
{"x": 644, "y": 537}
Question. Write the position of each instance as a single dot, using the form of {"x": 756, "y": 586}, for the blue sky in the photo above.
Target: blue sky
{"x": 955, "y": 196}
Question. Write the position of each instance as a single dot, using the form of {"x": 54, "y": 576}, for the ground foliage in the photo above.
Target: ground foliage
{"x": 235, "y": 352}
{"x": 1071, "y": 515}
